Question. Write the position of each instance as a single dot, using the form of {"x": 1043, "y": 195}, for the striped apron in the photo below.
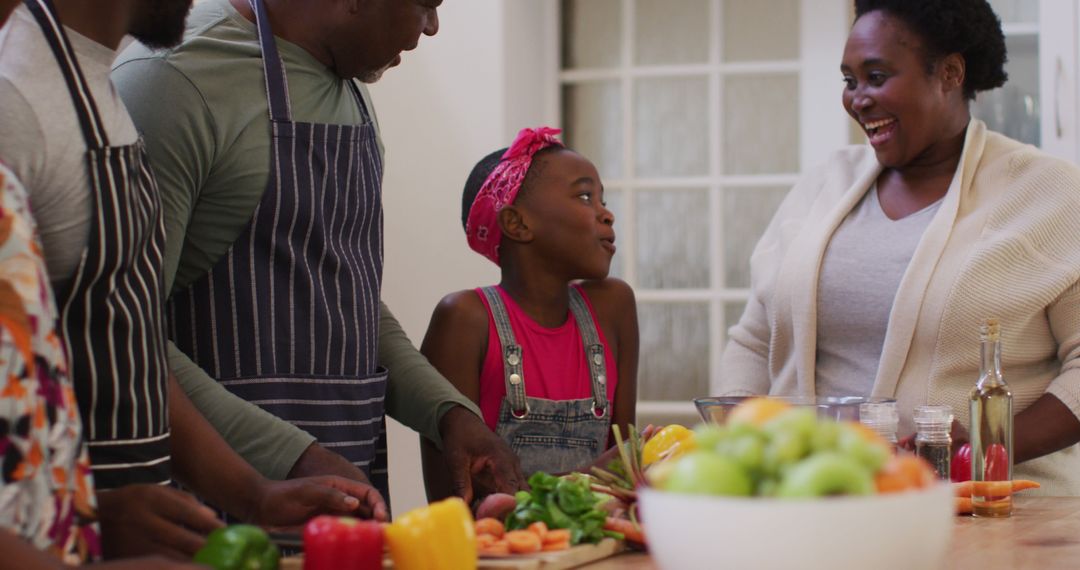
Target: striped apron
{"x": 288, "y": 318}
{"x": 111, "y": 314}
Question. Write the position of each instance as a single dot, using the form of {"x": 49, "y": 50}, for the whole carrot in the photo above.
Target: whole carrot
{"x": 968, "y": 488}
{"x": 627, "y": 528}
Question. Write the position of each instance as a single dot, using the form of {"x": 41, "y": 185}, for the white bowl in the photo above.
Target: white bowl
{"x": 881, "y": 532}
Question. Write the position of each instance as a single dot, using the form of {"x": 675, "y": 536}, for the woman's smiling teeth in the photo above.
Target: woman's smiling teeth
{"x": 873, "y": 126}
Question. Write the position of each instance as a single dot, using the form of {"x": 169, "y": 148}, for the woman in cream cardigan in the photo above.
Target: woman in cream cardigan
{"x": 875, "y": 273}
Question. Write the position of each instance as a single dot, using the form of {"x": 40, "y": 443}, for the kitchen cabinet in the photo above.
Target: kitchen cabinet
{"x": 1059, "y": 77}
{"x": 1038, "y": 105}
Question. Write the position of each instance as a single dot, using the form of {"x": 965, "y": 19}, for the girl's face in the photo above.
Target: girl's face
{"x": 905, "y": 109}
{"x": 564, "y": 208}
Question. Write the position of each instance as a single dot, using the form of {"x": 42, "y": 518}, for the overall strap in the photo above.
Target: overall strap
{"x": 85, "y": 108}
{"x": 513, "y": 374}
{"x": 594, "y": 351}
{"x": 277, "y": 87}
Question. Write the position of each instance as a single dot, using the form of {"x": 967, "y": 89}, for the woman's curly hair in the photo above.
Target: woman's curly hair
{"x": 968, "y": 27}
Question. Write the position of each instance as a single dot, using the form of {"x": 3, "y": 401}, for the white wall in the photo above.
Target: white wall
{"x": 447, "y": 105}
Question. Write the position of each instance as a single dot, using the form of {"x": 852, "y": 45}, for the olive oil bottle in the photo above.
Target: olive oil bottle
{"x": 991, "y": 430}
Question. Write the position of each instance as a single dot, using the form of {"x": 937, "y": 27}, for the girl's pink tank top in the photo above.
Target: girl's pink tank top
{"x": 553, "y": 359}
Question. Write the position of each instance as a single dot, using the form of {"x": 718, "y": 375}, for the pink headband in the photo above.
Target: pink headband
{"x": 501, "y": 188}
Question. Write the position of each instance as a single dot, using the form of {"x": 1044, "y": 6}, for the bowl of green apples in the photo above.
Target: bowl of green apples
{"x": 776, "y": 486}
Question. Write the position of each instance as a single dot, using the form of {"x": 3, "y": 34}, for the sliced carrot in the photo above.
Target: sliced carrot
{"x": 557, "y": 535}
{"x": 523, "y": 541}
{"x": 497, "y": 548}
{"x": 627, "y": 528}
{"x": 539, "y": 528}
{"x": 963, "y": 505}
{"x": 483, "y": 540}
{"x": 490, "y": 526}
{"x": 554, "y": 546}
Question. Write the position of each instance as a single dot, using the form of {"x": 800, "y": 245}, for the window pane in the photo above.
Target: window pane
{"x": 761, "y": 124}
{"x": 672, "y": 239}
{"x": 615, "y": 200}
{"x": 590, "y": 33}
{"x": 671, "y": 126}
{"x": 672, "y": 32}
{"x": 592, "y": 115}
{"x": 674, "y": 351}
{"x": 1016, "y": 12}
{"x": 1013, "y": 109}
{"x": 760, "y": 30}
{"x": 747, "y": 211}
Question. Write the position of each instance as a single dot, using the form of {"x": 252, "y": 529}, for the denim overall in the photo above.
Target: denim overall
{"x": 549, "y": 435}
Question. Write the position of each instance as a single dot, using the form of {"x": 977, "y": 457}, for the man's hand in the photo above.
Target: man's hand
{"x": 474, "y": 454}
{"x": 151, "y": 519}
{"x": 295, "y": 501}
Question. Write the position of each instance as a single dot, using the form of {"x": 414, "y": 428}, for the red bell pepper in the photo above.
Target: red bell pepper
{"x": 961, "y": 464}
{"x": 997, "y": 463}
{"x": 342, "y": 543}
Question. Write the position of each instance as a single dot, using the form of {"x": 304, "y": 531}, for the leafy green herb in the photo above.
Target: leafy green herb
{"x": 560, "y": 502}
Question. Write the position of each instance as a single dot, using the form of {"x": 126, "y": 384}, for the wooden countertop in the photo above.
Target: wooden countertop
{"x": 1043, "y": 533}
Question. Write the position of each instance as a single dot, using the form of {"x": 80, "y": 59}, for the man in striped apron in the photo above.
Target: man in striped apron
{"x": 274, "y": 216}
{"x": 142, "y": 429}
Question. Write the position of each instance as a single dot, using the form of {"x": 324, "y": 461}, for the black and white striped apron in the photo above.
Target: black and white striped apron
{"x": 111, "y": 315}
{"x": 288, "y": 319}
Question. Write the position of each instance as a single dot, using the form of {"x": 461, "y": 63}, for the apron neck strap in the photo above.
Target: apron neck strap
{"x": 277, "y": 87}
{"x": 85, "y": 108}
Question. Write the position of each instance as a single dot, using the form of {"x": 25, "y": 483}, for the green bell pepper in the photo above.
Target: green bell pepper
{"x": 239, "y": 547}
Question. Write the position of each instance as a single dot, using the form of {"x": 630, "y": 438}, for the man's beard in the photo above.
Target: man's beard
{"x": 161, "y": 23}
{"x": 373, "y": 75}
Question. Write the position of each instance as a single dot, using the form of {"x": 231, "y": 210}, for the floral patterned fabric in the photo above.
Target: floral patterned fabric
{"x": 46, "y": 490}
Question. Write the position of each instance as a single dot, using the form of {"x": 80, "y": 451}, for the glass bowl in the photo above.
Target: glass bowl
{"x": 716, "y": 410}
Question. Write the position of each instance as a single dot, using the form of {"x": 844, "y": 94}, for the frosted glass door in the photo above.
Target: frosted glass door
{"x": 695, "y": 115}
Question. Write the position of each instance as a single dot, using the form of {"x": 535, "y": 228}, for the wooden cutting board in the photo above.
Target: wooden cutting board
{"x": 572, "y": 558}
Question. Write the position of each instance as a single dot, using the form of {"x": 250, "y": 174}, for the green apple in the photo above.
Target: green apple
{"x": 748, "y": 450}
{"x": 783, "y": 450}
{"x": 826, "y": 436}
{"x": 708, "y": 436}
{"x": 800, "y": 422}
{"x": 707, "y": 473}
{"x": 826, "y": 474}
{"x": 853, "y": 444}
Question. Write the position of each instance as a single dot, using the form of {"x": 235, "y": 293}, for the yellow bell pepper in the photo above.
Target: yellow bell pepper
{"x": 672, "y": 441}
{"x": 440, "y": 536}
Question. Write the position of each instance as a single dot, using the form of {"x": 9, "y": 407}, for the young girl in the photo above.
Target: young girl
{"x": 550, "y": 360}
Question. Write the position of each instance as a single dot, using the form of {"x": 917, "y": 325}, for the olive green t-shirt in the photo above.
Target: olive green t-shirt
{"x": 202, "y": 110}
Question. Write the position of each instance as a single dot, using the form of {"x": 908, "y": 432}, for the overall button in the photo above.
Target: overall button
{"x": 513, "y": 360}
{"x": 597, "y": 359}
{"x": 515, "y": 379}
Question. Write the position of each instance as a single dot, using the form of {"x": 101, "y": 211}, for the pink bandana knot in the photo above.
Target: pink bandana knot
{"x": 501, "y": 188}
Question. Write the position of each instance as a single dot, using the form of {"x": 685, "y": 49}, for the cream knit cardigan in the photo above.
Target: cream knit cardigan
{"x": 1005, "y": 243}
